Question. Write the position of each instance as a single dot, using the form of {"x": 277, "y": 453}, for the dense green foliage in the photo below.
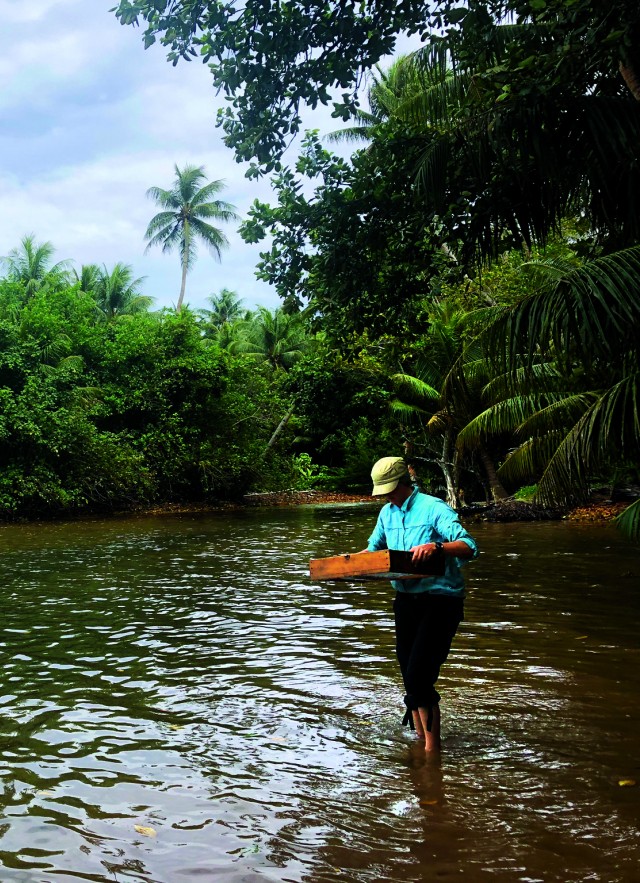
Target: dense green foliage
{"x": 535, "y": 378}
{"x": 466, "y": 287}
{"x": 106, "y": 409}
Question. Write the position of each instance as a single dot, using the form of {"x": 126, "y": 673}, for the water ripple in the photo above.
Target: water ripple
{"x": 180, "y": 703}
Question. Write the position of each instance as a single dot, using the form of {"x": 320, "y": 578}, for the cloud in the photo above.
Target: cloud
{"x": 88, "y": 122}
{"x": 31, "y": 12}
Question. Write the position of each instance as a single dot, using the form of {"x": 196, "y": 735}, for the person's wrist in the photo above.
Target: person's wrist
{"x": 438, "y": 548}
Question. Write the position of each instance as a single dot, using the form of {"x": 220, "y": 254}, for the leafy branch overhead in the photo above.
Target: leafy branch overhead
{"x": 270, "y": 59}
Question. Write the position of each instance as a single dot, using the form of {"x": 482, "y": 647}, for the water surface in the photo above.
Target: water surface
{"x": 183, "y": 675}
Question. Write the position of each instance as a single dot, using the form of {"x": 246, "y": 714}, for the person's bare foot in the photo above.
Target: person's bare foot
{"x": 432, "y": 736}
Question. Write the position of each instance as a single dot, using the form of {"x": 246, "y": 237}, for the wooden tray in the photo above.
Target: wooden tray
{"x": 385, "y": 564}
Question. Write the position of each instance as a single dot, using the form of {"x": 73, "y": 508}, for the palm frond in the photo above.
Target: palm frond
{"x": 438, "y": 423}
{"x": 629, "y": 521}
{"x": 613, "y": 422}
{"x": 564, "y": 478}
{"x": 609, "y": 426}
{"x": 588, "y": 310}
{"x": 527, "y": 462}
{"x": 205, "y": 194}
{"x": 214, "y": 239}
{"x": 408, "y": 414}
{"x": 415, "y": 387}
{"x": 354, "y": 133}
{"x": 505, "y": 416}
{"x": 219, "y": 210}
{"x": 165, "y": 198}
{"x": 562, "y": 411}
{"x": 539, "y": 377}
{"x": 168, "y": 237}
{"x": 160, "y": 222}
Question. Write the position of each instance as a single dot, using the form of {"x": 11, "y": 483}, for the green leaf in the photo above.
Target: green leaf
{"x": 456, "y": 15}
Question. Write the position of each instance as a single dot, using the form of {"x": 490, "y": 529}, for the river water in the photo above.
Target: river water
{"x": 181, "y": 704}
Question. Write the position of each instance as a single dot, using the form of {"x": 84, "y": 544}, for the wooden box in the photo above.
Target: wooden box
{"x": 385, "y": 564}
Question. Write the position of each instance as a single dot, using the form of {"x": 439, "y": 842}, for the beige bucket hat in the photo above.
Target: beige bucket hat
{"x": 386, "y": 474}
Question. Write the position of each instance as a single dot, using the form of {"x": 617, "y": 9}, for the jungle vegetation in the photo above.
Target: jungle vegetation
{"x": 465, "y": 285}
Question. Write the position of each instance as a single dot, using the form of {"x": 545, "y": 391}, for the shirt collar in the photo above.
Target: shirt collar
{"x": 408, "y": 503}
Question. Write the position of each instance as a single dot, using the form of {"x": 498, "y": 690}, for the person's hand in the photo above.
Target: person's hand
{"x": 423, "y": 552}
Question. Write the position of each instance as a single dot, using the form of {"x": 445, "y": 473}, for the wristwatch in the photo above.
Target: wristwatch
{"x": 439, "y": 548}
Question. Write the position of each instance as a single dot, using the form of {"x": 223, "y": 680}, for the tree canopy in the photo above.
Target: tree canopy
{"x": 271, "y": 58}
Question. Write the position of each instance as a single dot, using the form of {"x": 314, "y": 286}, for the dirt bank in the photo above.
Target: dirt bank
{"x": 505, "y": 510}
{"x": 296, "y": 498}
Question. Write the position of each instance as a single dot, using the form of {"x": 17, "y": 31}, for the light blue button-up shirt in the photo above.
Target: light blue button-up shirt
{"x": 422, "y": 519}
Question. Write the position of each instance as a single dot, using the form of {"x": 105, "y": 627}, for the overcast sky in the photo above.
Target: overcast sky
{"x": 90, "y": 121}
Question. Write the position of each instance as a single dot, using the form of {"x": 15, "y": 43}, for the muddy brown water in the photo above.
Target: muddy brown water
{"x": 183, "y": 675}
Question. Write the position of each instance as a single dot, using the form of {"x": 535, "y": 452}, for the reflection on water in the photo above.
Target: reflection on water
{"x": 183, "y": 675}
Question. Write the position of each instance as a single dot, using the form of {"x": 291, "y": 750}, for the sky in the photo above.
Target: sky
{"x": 89, "y": 121}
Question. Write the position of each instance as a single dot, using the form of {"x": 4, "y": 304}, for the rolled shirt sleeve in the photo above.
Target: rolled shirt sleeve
{"x": 423, "y": 519}
{"x": 448, "y": 526}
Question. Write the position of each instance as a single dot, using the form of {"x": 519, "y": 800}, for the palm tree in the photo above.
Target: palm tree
{"x": 117, "y": 292}
{"x": 570, "y": 388}
{"x": 187, "y": 209}
{"x": 88, "y": 277}
{"x": 388, "y": 94}
{"x": 442, "y": 395}
{"x": 30, "y": 265}
{"x": 226, "y": 307}
{"x": 277, "y": 338}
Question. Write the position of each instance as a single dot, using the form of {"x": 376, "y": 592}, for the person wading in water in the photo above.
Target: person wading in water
{"x": 427, "y": 611}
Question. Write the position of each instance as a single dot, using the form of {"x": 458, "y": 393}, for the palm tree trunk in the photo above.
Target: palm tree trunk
{"x": 495, "y": 485}
{"x": 279, "y": 429}
{"x": 182, "y": 287}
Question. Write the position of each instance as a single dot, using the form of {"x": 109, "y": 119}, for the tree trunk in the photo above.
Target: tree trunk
{"x": 447, "y": 470}
{"x": 408, "y": 447}
{"x": 279, "y": 429}
{"x": 182, "y": 287}
{"x": 631, "y": 78}
{"x": 495, "y": 485}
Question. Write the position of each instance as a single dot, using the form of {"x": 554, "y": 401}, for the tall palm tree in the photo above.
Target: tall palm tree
{"x": 187, "y": 208}
{"x": 30, "y": 264}
{"x": 117, "y": 293}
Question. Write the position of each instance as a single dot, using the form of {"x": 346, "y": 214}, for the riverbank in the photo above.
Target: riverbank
{"x": 298, "y": 498}
{"x": 503, "y": 511}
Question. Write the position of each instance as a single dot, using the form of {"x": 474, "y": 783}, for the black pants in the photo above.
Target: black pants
{"x": 425, "y": 626}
